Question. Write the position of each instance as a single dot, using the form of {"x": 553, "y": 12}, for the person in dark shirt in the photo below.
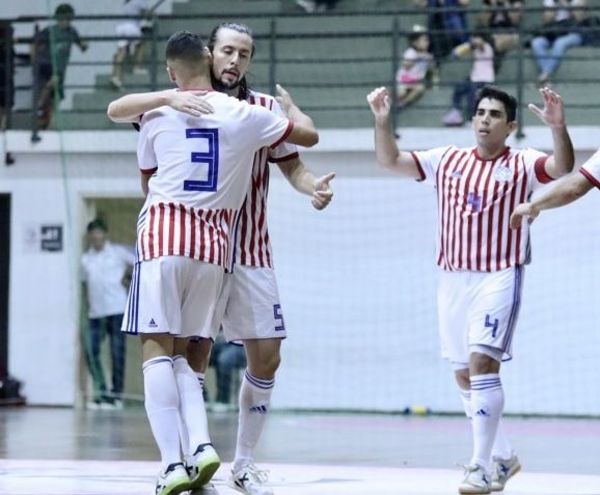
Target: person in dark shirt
{"x": 50, "y": 55}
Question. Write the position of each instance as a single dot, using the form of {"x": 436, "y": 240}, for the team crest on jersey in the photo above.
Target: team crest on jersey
{"x": 503, "y": 174}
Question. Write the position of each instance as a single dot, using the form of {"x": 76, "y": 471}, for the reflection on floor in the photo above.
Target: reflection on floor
{"x": 57, "y": 451}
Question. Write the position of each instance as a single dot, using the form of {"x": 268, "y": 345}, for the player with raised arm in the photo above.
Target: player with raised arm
{"x": 249, "y": 307}
{"x": 199, "y": 168}
{"x": 567, "y": 190}
{"x": 481, "y": 258}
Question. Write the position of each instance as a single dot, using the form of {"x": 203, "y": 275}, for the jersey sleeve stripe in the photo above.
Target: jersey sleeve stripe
{"x": 287, "y": 132}
{"x": 540, "y": 170}
{"x": 285, "y": 158}
{"x": 419, "y": 167}
{"x": 590, "y": 177}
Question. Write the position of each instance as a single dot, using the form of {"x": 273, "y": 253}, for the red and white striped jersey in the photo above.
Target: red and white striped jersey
{"x": 591, "y": 169}
{"x": 253, "y": 246}
{"x": 200, "y": 170}
{"x": 475, "y": 200}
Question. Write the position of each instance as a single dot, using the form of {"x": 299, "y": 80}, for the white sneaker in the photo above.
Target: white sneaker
{"x": 453, "y": 118}
{"x": 202, "y": 466}
{"x": 172, "y": 480}
{"x": 250, "y": 480}
{"x": 476, "y": 481}
{"x": 308, "y": 5}
{"x": 504, "y": 469}
{"x": 116, "y": 83}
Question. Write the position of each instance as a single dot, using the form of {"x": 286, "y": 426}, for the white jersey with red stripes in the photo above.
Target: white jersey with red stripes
{"x": 200, "y": 168}
{"x": 591, "y": 169}
{"x": 475, "y": 200}
{"x": 253, "y": 246}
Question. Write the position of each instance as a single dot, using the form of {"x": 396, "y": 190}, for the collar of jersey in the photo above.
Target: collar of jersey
{"x": 502, "y": 153}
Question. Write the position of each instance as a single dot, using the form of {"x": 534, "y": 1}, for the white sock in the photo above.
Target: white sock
{"x": 191, "y": 406}
{"x": 502, "y": 447}
{"x": 162, "y": 407}
{"x": 487, "y": 402}
{"x": 255, "y": 397}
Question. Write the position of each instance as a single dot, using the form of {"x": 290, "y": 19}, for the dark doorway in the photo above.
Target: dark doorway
{"x": 4, "y": 273}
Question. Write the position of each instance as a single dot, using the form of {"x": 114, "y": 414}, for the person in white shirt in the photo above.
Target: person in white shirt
{"x": 133, "y": 40}
{"x": 105, "y": 269}
{"x": 196, "y": 170}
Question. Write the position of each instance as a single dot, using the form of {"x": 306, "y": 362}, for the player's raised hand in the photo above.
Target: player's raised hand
{"x": 380, "y": 102}
{"x": 524, "y": 210}
{"x": 284, "y": 99}
{"x": 190, "y": 102}
{"x": 553, "y": 113}
{"x": 322, "y": 194}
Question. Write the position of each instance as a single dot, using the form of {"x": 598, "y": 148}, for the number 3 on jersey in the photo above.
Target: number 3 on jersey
{"x": 210, "y": 158}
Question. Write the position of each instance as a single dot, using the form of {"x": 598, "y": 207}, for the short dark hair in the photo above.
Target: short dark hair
{"x": 495, "y": 93}
{"x": 97, "y": 224}
{"x": 185, "y": 46}
{"x": 64, "y": 10}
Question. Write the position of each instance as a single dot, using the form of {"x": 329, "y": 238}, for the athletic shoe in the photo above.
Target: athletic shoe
{"x": 116, "y": 83}
{"x": 476, "y": 481}
{"x": 453, "y": 118}
{"x": 250, "y": 480}
{"x": 504, "y": 469}
{"x": 202, "y": 465}
{"x": 208, "y": 489}
{"x": 172, "y": 480}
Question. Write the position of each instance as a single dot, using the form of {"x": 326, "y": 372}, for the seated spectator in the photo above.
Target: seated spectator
{"x": 559, "y": 32}
{"x": 132, "y": 31}
{"x": 502, "y": 18}
{"x": 226, "y": 358}
{"x": 311, "y": 6}
{"x": 447, "y": 28}
{"x": 416, "y": 62}
{"x": 482, "y": 73}
{"x": 50, "y": 54}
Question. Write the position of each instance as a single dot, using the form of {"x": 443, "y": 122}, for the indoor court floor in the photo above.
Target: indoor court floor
{"x": 62, "y": 451}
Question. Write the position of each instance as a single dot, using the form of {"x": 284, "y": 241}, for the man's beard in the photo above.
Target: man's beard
{"x": 221, "y": 86}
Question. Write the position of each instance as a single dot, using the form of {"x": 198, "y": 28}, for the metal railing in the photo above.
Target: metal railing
{"x": 389, "y": 33}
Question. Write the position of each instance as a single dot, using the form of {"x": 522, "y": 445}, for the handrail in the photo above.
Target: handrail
{"x": 274, "y": 32}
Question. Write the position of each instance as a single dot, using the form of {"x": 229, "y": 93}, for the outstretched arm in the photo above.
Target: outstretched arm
{"x": 566, "y": 191}
{"x": 386, "y": 149}
{"x": 128, "y": 108}
{"x": 304, "y": 181}
{"x": 553, "y": 115}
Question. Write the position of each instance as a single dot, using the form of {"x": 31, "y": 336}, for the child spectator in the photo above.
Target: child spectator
{"x": 416, "y": 62}
{"x": 482, "y": 73}
{"x": 51, "y": 51}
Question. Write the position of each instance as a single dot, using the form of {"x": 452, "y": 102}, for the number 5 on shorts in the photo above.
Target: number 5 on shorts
{"x": 210, "y": 157}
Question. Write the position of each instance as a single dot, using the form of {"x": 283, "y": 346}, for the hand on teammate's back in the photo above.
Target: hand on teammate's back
{"x": 323, "y": 194}
{"x": 190, "y": 102}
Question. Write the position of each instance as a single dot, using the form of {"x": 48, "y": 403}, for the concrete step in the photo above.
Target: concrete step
{"x": 228, "y": 7}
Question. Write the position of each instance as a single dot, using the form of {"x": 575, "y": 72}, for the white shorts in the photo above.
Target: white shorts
{"x": 128, "y": 29}
{"x": 172, "y": 294}
{"x": 249, "y": 306}
{"x": 478, "y": 311}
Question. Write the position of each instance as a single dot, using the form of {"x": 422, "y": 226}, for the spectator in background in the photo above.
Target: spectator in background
{"x": 50, "y": 55}
{"x": 482, "y": 73}
{"x": 7, "y": 87}
{"x": 226, "y": 358}
{"x": 502, "y": 18}
{"x": 311, "y": 6}
{"x": 131, "y": 30}
{"x": 559, "y": 32}
{"x": 106, "y": 270}
{"x": 447, "y": 28}
{"x": 416, "y": 62}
